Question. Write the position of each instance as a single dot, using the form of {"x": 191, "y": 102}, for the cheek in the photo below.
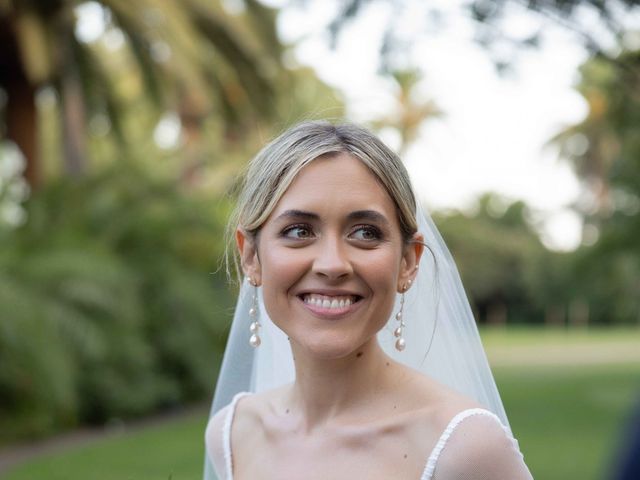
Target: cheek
{"x": 281, "y": 269}
{"x": 380, "y": 270}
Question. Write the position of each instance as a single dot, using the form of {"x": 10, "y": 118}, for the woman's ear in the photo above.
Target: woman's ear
{"x": 249, "y": 261}
{"x": 410, "y": 261}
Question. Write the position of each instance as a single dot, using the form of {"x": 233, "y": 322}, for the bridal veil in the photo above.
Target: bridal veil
{"x": 442, "y": 339}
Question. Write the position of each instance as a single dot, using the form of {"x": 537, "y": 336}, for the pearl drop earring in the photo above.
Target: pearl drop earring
{"x": 254, "y": 328}
{"x": 400, "y": 342}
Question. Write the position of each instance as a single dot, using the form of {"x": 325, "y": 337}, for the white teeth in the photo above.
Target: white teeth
{"x": 328, "y": 302}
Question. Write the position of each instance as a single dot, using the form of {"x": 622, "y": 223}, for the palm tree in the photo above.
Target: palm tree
{"x": 594, "y": 145}
{"x": 213, "y": 61}
{"x": 410, "y": 112}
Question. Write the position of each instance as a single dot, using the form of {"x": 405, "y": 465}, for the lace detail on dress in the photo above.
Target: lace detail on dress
{"x": 442, "y": 441}
{"x": 226, "y": 435}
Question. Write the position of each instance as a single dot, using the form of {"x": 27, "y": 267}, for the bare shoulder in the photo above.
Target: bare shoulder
{"x": 482, "y": 447}
{"x": 478, "y": 445}
{"x": 245, "y": 410}
{"x": 422, "y": 409}
{"x": 434, "y": 404}
{"x": 233, "y": 422}
{"x": 253, "y": 411}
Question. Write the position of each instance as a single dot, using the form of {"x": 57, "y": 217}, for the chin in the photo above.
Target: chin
{"x": 330, "y": 348}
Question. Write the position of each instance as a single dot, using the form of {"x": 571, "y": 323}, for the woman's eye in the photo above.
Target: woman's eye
{"x": 299, "y": 232}
{"x": 367, "y": 233}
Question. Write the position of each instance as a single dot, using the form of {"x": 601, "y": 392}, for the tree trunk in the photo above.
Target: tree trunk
{"x": 554, "y": 316}
{"x": 579, "y": 314}
{"x": 20, "y": 109}
{"x": 497, "y": 314}
{"x": 22, "y": 126}
{"x": 73, "y": 113}
{"x": 192, "y": 110}
{"x": 73, "y": 124}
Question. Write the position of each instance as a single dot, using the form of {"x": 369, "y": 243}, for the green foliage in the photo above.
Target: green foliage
{"x": 609, "y": 166}
{"x": 108, "y": 305}
{"x": 111, "y": 304}
{"x": 193, "y": 58}
{"x": 497, "y": 254}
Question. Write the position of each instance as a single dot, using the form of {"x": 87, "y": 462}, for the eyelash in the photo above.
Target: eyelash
{"x": 367, "y": 228}
{"x": 291, "y": 228}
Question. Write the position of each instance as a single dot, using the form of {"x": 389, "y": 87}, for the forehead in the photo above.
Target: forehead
{"x": 334, "y": 184}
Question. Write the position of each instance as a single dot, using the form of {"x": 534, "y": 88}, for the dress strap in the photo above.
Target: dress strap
{"x": 226, "y": 435}
{"x": 442, "y": 441}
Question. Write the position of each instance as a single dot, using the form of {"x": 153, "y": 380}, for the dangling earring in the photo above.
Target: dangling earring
{"x": 254, "y": 328}
{"x": 400, "y": 343}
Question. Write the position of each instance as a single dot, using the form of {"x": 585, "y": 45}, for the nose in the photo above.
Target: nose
{"x": 332, "y": 261}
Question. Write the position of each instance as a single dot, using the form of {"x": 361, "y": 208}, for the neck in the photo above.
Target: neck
{"x": 327, "y": 388}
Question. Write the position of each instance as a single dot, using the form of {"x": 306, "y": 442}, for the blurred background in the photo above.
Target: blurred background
{"x": 124, "y": 127}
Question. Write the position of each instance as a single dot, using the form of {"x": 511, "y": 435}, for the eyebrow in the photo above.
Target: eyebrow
{"x": 370, "y": 215}
{"x": 298, "y": 214}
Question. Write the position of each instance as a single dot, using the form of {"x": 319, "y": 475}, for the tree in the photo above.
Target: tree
{"x": 191, "y": 56}
{"x": 496, "y": 250}
{"x": 410, "y": 112}
{"x": 600, "y": 37}
{"x": 608, "y": 151}
{"x": 608, "y": 162}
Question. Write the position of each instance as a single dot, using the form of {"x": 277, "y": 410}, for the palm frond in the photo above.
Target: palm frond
{"x": 263, "y": 19}
{"x": 99, "y": 92}
{"x": 34, "y": 45}
{"x": 246, "y": 65}
{"x": 130, "y": 22}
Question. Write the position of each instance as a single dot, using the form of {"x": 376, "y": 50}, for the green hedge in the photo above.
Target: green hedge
{"x": 109, "y": 305}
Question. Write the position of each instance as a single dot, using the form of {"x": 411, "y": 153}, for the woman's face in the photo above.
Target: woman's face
{"x": 330, "y": 257}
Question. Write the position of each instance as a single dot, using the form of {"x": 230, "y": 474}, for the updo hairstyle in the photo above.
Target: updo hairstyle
{"x": 272, "y": 170}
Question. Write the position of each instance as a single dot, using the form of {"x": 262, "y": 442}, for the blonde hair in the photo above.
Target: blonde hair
{"x": 272, "y": 170}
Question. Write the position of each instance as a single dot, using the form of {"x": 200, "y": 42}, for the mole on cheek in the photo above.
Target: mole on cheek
{"x": 359, "y": 354}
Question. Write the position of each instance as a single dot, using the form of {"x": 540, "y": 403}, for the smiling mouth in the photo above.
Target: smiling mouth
{"x": 329, "y": 302}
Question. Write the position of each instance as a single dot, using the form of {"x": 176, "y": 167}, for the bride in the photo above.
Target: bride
{"x": 353, "y": 352}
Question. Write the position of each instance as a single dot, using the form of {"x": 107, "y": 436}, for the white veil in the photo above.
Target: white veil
{"x": 442, "y": 339}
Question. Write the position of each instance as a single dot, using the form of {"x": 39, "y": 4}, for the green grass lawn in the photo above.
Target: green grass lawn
{"x": 567, "y": 408}
{"x": 567, "y": 419}
{"x": 172, "y": 451}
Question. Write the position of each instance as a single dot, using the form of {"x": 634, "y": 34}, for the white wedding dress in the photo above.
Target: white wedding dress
{"x": 475, "y": 445}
